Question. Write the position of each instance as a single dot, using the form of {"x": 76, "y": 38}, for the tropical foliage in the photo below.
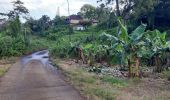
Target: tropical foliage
{"x": 114, "y": 41}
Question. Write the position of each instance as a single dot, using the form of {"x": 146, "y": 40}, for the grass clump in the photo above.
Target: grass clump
{"x": 115, "y": 81}
{"x": 103, "y": 93}
{"x": 165, "y": 74}
{"x": 3, "y": 70}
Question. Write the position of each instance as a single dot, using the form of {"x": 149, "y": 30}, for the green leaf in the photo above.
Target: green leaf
{"x": 138, "y": 32}
{"x": 124, "y": 34}
{"x": 108, "y": 36}
{"x": 163, "y": 38}
{"x": 119, "y": 48}
{"x": 88, "y": 46}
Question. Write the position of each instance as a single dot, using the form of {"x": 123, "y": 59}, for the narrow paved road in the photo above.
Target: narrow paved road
{"x": 34, "y": 81}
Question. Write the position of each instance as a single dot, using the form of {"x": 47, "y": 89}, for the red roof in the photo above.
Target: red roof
{"x": 75, "y": 17}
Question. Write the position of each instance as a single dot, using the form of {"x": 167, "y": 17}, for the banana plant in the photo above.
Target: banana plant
{"x": 159, "y": 47}
{"x": 129, "y": 46}
{"x": 132, "y": 45}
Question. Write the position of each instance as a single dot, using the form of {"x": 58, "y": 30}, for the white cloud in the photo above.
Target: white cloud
{"x": 38, "y": 8}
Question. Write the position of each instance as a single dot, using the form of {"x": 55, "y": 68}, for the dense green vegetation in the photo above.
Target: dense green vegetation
{"x": 131, "y": 39}
{"x": 118, "y": 39}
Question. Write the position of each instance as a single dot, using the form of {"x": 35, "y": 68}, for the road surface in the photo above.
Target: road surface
{"x": 32, "y": 78}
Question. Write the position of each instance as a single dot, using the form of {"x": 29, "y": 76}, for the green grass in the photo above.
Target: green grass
{"x": 3, "y": 69}
{"x": 165, "y": 74}
{"x": 79, "y": 76}
{"x": 90, "y": 84}
{"x": 115, "y": 81}
{"x": 103, "y": 93}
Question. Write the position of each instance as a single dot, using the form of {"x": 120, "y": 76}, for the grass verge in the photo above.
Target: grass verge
{"x": 93, "y": 86}
{"x": 4, "y": 69}
{"x": 165, "y": 74}
{"x": 5, "y": 64}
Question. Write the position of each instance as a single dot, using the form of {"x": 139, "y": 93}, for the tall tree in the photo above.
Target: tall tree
{"x": 58, "y": 21}
{"x": 126, "y": 8}
{"x": 162, "y": 14}
{"x": 88, "y": 11}
{"x": 102, "y": 13}
{"x": 14, "y": 23}
{"x": 18, "y": 10}
{"x": 44, "y": 22}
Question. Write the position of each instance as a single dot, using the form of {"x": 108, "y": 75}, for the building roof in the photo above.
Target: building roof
{"x": 75, "y": 17}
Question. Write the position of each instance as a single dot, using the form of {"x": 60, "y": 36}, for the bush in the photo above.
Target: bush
{"x": 52, "y": 36}
{"x": 11, "y": 46}
{"x": 62, "y": 46}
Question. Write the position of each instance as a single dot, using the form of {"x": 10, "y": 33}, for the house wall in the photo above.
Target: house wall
{"x": 79, "y": 28}
{"x": 74, "y": 21}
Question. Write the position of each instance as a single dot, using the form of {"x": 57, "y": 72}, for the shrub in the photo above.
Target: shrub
{"x": 11, "y": 46}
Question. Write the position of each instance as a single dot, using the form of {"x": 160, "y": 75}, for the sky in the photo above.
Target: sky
{"x": 37, "y": 8}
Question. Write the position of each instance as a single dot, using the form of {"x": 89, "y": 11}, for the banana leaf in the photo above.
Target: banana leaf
{"x": 138, "y": 32}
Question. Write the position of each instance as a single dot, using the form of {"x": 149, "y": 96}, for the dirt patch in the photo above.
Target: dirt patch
{"x": 150, "y": 89}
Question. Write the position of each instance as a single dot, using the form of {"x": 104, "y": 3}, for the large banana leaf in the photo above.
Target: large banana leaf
{"x": 108, "y": 37}
{"x": 162, "y": 37}
{"x": 145, "y": 52}
{"x": 168, "y": 44}
{"x": 138, "y": 32}
{"x": 123, "y": 34}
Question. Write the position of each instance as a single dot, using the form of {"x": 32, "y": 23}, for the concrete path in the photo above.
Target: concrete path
{"x": 33, "y": 81}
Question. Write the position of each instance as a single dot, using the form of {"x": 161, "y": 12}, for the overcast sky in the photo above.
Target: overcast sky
{"x": 38, "y": 8}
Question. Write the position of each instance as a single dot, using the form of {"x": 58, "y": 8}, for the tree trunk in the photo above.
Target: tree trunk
{"x": 137, "y": 67}
{"x": 130, "y": 67}
{"x": 167, "y": 61}
{"x": 117, "y": 8}
{"x": 157, "y": 63}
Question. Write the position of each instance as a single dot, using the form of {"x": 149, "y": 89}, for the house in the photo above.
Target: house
{"x": 79, "y": 23}
{"x": 79, "y": 27}
{"x": 75, "y": 20}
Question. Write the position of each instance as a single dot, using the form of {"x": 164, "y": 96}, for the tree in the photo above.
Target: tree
{"x": 162, "y": 15}
{"x": 127, "y": 8}
{"x": 14, "y": 28}
{"x": 102, "y": 13}
{"x": 44, "y": 22}
{"x": 59, "y": 21}
{"x": 19, "y": 9}
{"x": 14, "y": 24}
{"x": 88, "y": 11}
{"x": 32, "y": 24}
